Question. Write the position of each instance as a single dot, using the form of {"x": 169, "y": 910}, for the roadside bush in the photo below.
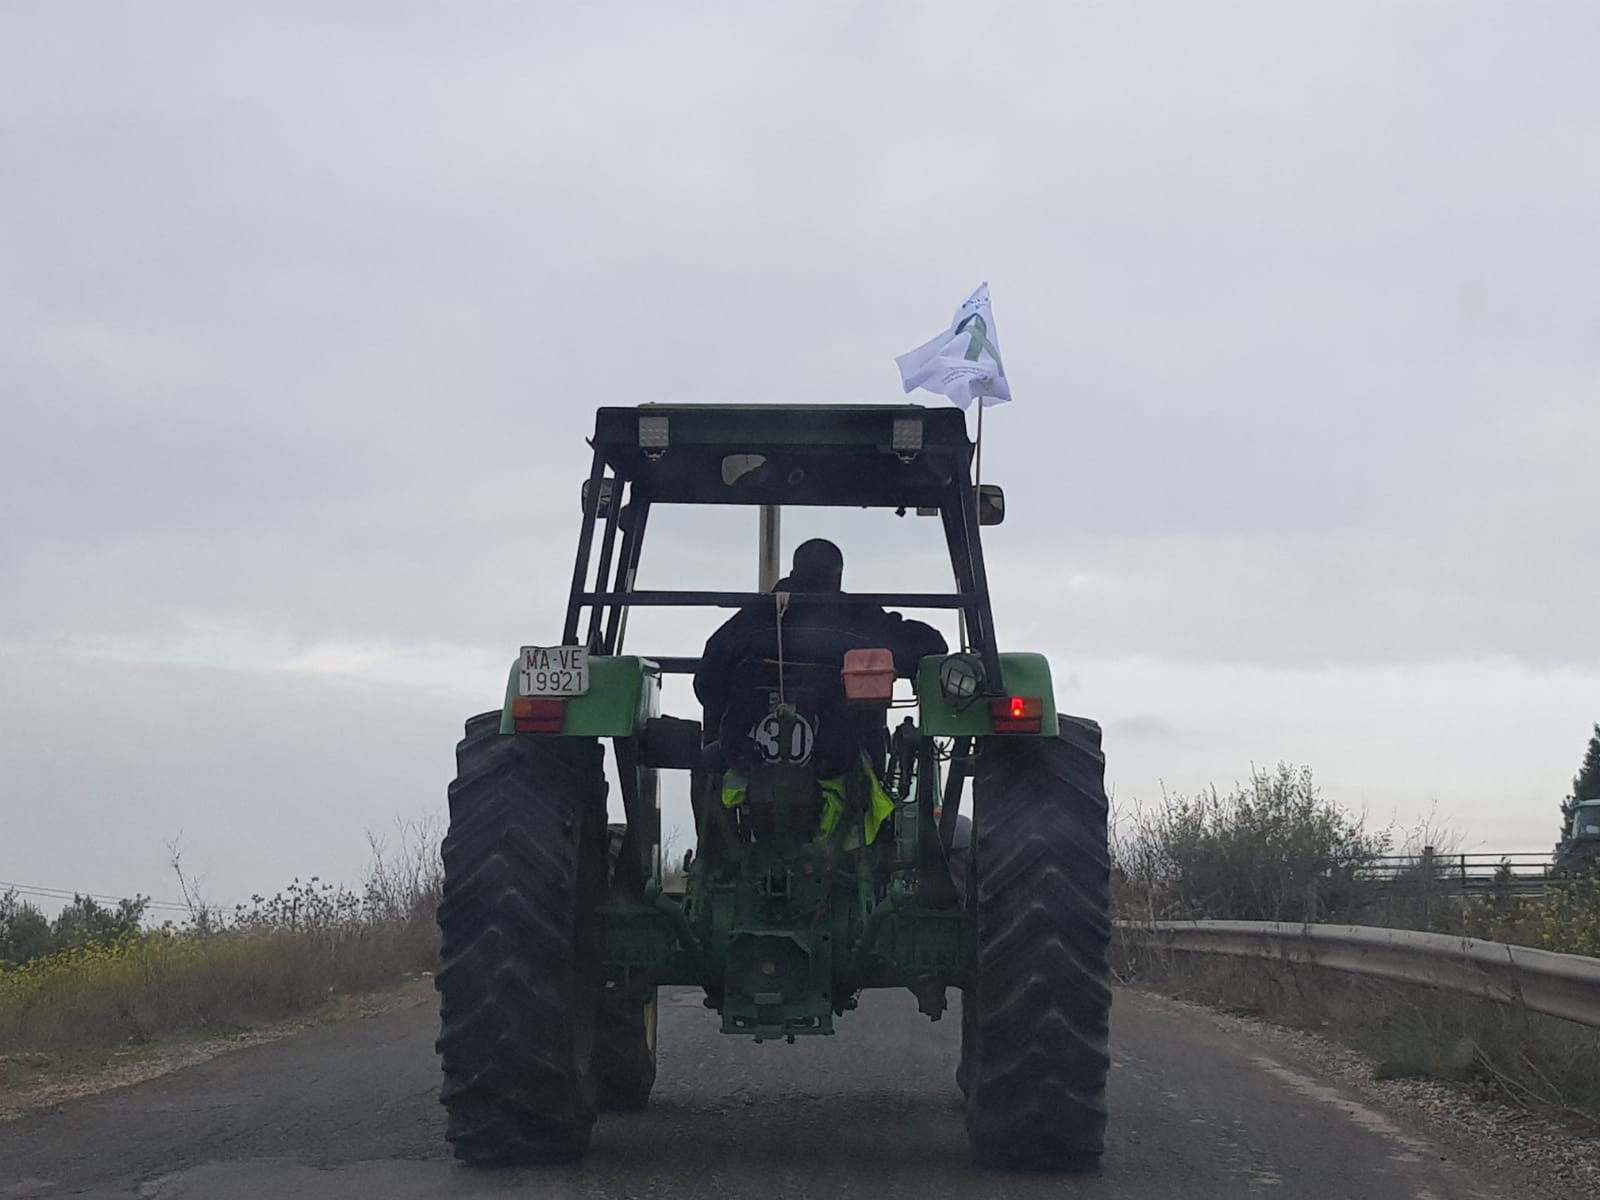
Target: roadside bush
{"x": 1272, "y": 849}
{"x": 1565, "y": 919}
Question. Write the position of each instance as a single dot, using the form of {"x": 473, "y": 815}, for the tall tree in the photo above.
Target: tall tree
{"x": 85, "y": 922}
{"x": 1585, "y": 784}
{"x": 24, "y": 930}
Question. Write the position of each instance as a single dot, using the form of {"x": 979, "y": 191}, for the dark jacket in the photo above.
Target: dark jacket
{"x": 814, "y": 632}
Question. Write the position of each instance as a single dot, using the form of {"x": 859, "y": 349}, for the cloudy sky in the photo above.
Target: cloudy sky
{"x": 305, "y": 309}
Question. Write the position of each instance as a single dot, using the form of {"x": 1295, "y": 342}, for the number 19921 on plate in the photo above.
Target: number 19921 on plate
{"x": 553, "y": 671}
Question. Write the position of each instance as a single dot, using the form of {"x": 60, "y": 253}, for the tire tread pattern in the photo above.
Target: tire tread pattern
{"x": 508, "y": 979}
{"x": 1035, "y": 1073}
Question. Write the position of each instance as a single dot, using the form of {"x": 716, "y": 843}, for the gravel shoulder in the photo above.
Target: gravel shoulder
{"x": 1536, "y": 1154}
{"x": 32, "y": 1082}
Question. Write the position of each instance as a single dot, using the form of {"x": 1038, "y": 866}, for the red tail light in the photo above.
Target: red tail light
{"x": 538, "y": 714}
{"x": 1017, "y": 714}
{"x": 868, "y": 678}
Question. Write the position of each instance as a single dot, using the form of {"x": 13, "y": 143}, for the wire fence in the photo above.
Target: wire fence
{"x": 1423, "y": 889}
{"x": 1464, "y": 871}
{"x": 67, "y": 895}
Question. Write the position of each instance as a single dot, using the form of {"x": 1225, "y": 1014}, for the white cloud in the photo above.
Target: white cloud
{"x": 303, "y": 315}
{"x": 335, "y": 658}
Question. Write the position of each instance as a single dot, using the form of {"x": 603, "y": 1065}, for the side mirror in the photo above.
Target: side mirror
{"x": 991, "y": 504}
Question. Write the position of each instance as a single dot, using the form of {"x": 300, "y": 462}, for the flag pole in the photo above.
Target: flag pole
{"x": 977, "y": 470}
{"x": 977, "y": 508}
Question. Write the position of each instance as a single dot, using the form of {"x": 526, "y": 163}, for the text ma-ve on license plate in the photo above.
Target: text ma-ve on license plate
{"x": 553, "y": 671}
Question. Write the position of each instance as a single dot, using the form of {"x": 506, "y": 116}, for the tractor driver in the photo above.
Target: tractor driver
{"x": 813, "y": 632}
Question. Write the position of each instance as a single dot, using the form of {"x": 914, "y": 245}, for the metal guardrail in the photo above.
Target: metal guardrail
{"x": 1559, "y": 985}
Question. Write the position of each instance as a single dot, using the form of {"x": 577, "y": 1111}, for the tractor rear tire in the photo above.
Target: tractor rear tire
{"x": 969, "y": 1039}
{"x": 625, "y": 1034}
{"x": 963, "y": 875}
{"x": 524, "y": 862}
{"x": 1040, "y": 1001}
{"x": 625, "y": 1051}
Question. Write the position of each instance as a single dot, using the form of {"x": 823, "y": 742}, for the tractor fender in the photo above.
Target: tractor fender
{"x": 1024, "y": 674}
{"x": 624, "y": 692}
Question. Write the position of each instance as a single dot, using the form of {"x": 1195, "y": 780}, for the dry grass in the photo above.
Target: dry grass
{"x": 29, "y": 1081}
{"x": 159, "y": 984}
{"x": 274, "y": 959}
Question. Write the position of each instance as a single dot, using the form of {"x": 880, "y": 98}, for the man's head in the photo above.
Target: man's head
{"x": 818, "y": 567}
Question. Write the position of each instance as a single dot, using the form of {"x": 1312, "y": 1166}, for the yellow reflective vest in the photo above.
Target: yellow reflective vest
{"x": 879, "y": 808}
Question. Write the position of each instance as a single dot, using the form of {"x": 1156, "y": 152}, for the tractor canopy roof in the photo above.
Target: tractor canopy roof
{"x": 899, "y": 456}
{"x": 844, "y": 455}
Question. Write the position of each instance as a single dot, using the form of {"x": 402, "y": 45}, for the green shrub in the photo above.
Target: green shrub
{"x": 1273, "y": 849}
{"x": 1565, "y": 919}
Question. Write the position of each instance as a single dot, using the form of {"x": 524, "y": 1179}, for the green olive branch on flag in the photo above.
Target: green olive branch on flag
{"x": 977, "y": 330}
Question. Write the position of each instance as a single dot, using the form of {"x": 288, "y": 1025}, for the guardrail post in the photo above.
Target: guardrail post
{"x": 1427, "y": 885}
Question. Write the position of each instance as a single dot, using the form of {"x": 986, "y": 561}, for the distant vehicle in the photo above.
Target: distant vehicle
{"x": 1580, "y": 849}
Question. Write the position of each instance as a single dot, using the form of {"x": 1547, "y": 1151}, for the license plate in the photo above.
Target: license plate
{"x": 553, "y": 671}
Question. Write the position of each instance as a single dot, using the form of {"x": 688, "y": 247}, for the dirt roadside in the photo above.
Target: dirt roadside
{"x": 1551, "y": 1155}
{"x": 29, "y": 1082}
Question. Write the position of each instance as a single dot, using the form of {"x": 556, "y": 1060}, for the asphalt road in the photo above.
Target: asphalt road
{"x": 1200, "y": 1110}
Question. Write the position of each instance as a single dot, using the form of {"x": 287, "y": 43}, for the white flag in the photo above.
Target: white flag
{"x": 964, "y": 361}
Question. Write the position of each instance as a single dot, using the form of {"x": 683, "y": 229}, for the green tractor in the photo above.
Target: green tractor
{"x": 1579, "y": 847}
{"x": 557, "y": 929}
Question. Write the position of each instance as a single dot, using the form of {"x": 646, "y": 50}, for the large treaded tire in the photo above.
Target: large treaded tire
{"x": 524, "y": 860}
{"x": 625, "y": 1051}
{"x": 1041, "y": 996}
{"x": 963, "y": 873}
{"x": 624, "y": 1035}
